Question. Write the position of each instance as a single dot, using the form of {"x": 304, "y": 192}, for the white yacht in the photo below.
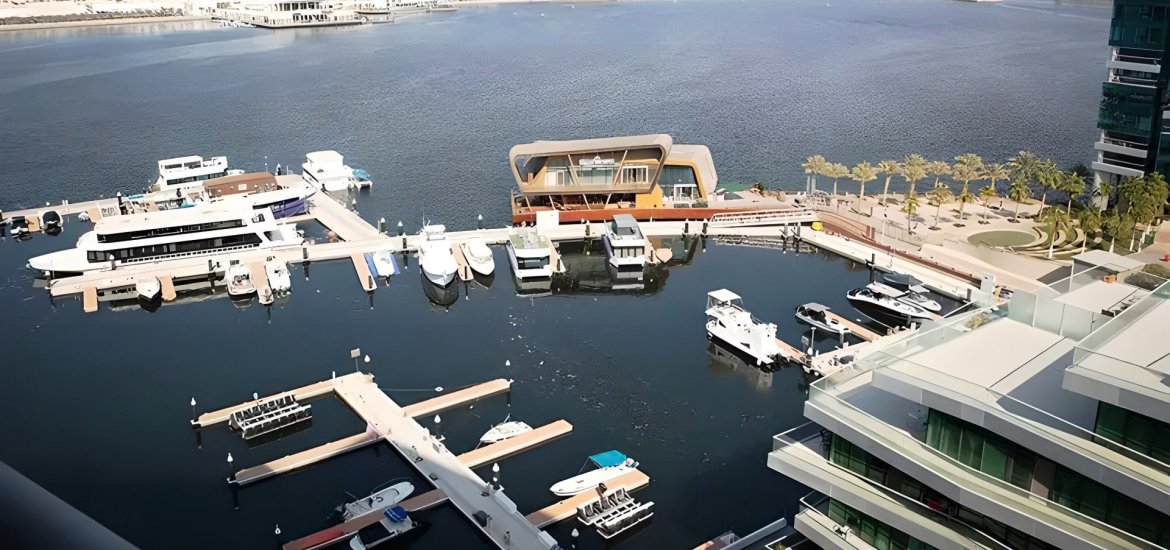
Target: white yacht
{"x": 505, "y": 430}
{"x": 434, "y": 255}
{"x": 818, "y": 316}
{"x": 148, "y": 288}
{"x": 880, "y": 302}
{"x": 279, "y": 279}
{"x": 920, "y": 296}
{"x": 192, "y": 171}
{"x": 530, "y": 253}
{"x": 327, "y": 170}
{"x": 285, "y": 195}
{"x": 728, "y": 321}
{"x": 203, "y": 230}
{"x": 624, "y": 245}
{"x": 610, "y": 465}
{"x": 239, "y": 280}
{"x": 479, "y": 256}
{"x": 387, "y": 494}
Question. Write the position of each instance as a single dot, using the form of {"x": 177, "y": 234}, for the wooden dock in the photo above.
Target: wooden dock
{"x": 861, "y": 332}
{"x": 459, "y": 398}
{"x": 567, "y": 508}
{"x": 303, "y": 393}
{"x": 508, "y": 447}
{"x": 365, "y": 278}
{"x": 260, "y": 279}
{"x": 554, "y": 258}
{"x": 89, "y": 299}
{"x": 464, "y": 270}
{"x": 304, "y": 458}
{"x": 790, "y": 353}
{"x": 168, "y": 287}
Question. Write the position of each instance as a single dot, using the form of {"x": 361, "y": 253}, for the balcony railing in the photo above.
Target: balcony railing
{"x": 1124, "y": 142}
{"x": 1136, "y": 59}
{"x": 1132, "y": 80}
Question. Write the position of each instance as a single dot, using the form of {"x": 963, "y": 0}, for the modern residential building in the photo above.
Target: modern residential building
{"x": 1135, "y": 137}
{"x": 1040, "y": 424}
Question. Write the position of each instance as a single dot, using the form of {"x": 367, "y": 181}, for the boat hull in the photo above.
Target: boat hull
{"x": 588, "y": 480}
{"x": 715, "y": 332}
{"x": 884, "y": 315}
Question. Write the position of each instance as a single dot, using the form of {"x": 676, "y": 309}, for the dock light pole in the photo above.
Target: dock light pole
{"x": 230, "y": 460}
{"x": 277, "y": 533}
{"x": 193, "y": 416}
{"x": 438, "y": 428}
{"x": 574, "y": 534}
{"x": 496, "y": 475}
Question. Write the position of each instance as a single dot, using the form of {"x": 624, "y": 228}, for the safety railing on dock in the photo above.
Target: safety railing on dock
{"x": 763, "y": 217}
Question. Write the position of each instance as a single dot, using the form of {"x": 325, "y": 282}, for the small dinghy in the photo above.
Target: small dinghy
{"x": 149, "y": 289}
{"x": 505, "y": 430}
{"x": 479, "y": 256}
{"x": 388, "y": 494}
{"x": 610, "y": 465}
{"x": 239, "y": 280}
{"x": 395, "y": 522}
{"x": 279, "y": 279}
{"x": 384, "y": 263}
{"x": 818, "y": 316}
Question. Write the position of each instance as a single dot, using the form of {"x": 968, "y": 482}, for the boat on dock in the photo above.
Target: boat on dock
{"x": 239, "y": 281}
{"x": 505, "y": 430}
{"x": 148, "y": 288}
{"x": 479, "y": 256}
{"x": 530, "y": 253}
{"x": 327, "y": 171}
{"x": 817, "y": 315}
{"x": 285, "y": 196}
{"x": 387, "y": 494}
{"x": 728, "y": 321}
{"x": 155, "y": 236}
{"x": 625, "y": 248}
{"x": 881, "y": 303}
{"x": 394, "y": 523}
{"x": 279, "y": 280}
{"x": 435, "y": 257}
{"x": 609, "y": 465}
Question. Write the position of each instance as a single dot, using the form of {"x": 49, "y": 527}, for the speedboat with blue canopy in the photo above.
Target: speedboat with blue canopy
{"x": 608, "y": 466}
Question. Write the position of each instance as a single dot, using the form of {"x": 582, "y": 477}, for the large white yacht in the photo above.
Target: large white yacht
{"x": 197, "y": 231}
{"x": 530, "y": 253}
{"x": 624, "y": 245}
{"x": 327, "y": 170}
{"x": 434, "y": 255}
{"x": 285, "y": 195}
{"x": 728, "y": 321}
{"x": 192, "y": 171}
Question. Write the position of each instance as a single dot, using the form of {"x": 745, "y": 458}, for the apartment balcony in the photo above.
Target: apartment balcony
{"x": 815, "y": 524}
{"x": 1125, "y": 169}
{"x": 799, "y": 454}
{"x": 1120, "y": 146}
{"x": 1132, "y": 80}
{"x": 847, "y": 404}
{"x": 1133, "y": 62}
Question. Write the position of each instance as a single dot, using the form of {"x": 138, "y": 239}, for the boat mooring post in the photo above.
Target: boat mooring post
{"x": 401, "y": 231}
{"x": 686, "y": 227}
{"x": 231, "y": 474}
{"x": 496, "y": 475}
{"x": 574, "y": 534}
{"x": 276, "y": 532}
{"x": 438, "y": 428}
{"x": 193, "y": 415}
{"x": 382, "y": 225}
{"x": 479, "y": 221}
{"x": 705, "y": 228}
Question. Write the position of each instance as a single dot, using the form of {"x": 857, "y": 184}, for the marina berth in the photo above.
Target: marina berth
{"x": 202, "y": 230}
{"x": 530, "y": 253}
{"x": 625, "y": 247}
{"x": 434, "y": 255}
{"x": 182, "y": 172}
{"x": 327, "y": 171}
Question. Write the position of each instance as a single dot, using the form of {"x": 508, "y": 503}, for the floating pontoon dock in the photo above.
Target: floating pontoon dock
{"x": 860, "y": 330}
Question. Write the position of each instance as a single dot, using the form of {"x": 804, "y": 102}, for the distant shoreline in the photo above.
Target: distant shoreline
{"x": 103, "y": 22}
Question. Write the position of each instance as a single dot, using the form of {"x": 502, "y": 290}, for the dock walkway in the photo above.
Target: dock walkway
{"x": 860, "y": 330}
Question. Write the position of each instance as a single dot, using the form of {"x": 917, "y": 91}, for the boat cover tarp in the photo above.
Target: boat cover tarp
{"x": 608, "y": 458}
{"x": 370, "y": 263}
{"x": 396, "y": 514}
{"x": 361, "y": 174}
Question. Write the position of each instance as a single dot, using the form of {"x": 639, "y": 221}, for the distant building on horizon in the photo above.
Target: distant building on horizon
{"x": 1135, "y": 132}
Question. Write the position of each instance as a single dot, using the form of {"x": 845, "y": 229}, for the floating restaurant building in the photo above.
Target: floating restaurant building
{"x": 648, "y": 177}
{"x": 1044, "y": 424}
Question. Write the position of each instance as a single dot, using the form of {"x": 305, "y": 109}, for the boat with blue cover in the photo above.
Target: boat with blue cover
{"x": 609, "y": 465}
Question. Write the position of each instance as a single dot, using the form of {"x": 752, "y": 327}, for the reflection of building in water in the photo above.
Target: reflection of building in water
{"x": 588, "y": 271}
{"x": 721, "y": 359}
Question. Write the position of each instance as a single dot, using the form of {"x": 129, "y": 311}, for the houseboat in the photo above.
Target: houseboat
{"x": 530, "y": 253}
{"x": 625, "y": 248}
{"x": 643, "y": 176}
{"x": 326, "y": 170}
{"x": 182, "y": 172}
{"x": 202, "y": 230}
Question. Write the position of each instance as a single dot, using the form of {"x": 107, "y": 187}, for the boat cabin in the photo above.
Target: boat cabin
{"x": 593, "y": 179}
{"x": 187, "y": 171}
{"x": 241, "y": 184}
{"x": 723, "y": 298}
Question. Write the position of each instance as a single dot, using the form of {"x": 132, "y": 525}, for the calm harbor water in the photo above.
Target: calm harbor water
{"x": 95, "y": 407}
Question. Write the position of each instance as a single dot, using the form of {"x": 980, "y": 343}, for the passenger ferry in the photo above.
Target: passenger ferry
{"x": 192, "y": 171}
{"x": 625, "y": 247}
{"x": 197, "y": 231}
{"x": 284, "y": 195}
{"x": 326, "y": 170}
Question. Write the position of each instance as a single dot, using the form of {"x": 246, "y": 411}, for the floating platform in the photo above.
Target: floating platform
{"x": 304, "y": 458}
{"x": 858, "y": 329}
{"x": 365, "y": 278}
{"x": 269, "y": 416}
{"x": 304, "y": 393}
{"x": 567, "y": 508}
{"x": 464, "y": 270}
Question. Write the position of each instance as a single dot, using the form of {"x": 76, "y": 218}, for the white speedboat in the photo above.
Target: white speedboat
{"x": 149, "y": 288}
{"x": 610, "y": 465}
{"x": 279, "y": 279}
{"x": 880, "y": 302}
{"x": 434, "y": 255}
{"x": 479, "y": 256}
{"x": 728, "y": 321}
{"x": 395, "y": 522}
{"x": 387, "y": 494}
{"x": 384, "y": 264}
{"x": 505, "y": 430}
{"x": 918, "y": 296}
{"x": 239, "y": 280}
{"x": 818, "y": 316}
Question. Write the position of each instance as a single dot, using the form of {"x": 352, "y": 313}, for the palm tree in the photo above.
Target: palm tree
{"x": 1057, "y": 220}
{"x": 1103, "y": 190}
{"x": 1146, "y": 197}
{"x": 862, "y": 174}
{"x": 889, "y": 168}
{"x": 836, "y": 171}
{"x": 1049, "y": 176}
{"x": 940, "y": 195}
{"x": 1090, "y": 222}
{"x": 1073, "y": 184}
{"x": 1018, "y": 192}
{"x": 910, "y": 208}
{"x": 1022, "y": 170}
{"x": 967, "y": 167}
{"x": 815, "y": 166}
{"x": 986, "y": 193}
{"x": 938, "y": 169}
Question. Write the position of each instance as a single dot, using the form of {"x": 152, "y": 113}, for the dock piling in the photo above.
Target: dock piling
{"x": 496, "y": 475}
{"x": 231, "y": 474}
{"x": 401, "y": 232}
{"x": 479, "y": 221}
{"x": 704, "y": 228}
{"x": 382, "y": 226}
{"x": 686, "y": 227}
{"x": 193, "y": 415}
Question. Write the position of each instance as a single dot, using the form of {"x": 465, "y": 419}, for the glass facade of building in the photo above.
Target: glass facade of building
{"x": 1138, "y": 432}
{"x": 872, "y": 531}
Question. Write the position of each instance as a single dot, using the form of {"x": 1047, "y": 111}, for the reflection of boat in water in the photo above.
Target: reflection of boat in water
{"x": 610, "y": 465}
{"x": 444, "y": 296}
{"x": 721, "y": 358}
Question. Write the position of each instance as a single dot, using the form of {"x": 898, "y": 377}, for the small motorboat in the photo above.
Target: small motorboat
{"x": 918, "y": 296}
{"x": 384, "y": 263}
{"x": 610, "y": 465}
{"x": 18, "y": 226}
{"x": 266, "y": 295}
{"x": 149, "y": 288}
{"x": 505, "y": 430}
{"x": 387, "y": 494}
{"x": 479, "y": 256}
{"x": 818, "y": 316}
{"x": 239, "y": 280}
{"x": 880, "y": 302}
{"x": 394, "y": 523}
{"x": 279, "y": 279}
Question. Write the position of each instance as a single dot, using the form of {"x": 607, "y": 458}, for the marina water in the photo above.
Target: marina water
{"x": 95, "y": 407}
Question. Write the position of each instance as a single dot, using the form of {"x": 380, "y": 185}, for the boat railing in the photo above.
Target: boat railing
{"x": 177, "y": 255}
{"x": 763, "y": 217}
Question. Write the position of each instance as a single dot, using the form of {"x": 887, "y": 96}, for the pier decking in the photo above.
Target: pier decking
{"x": 365, "y": 278}
{"x": 463, "y": 270}
{"x": 861, "y": 331}
{"x": 789, "y": 352}
{"x": 304, "y": 393}
{"x": 304, "y": 458}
